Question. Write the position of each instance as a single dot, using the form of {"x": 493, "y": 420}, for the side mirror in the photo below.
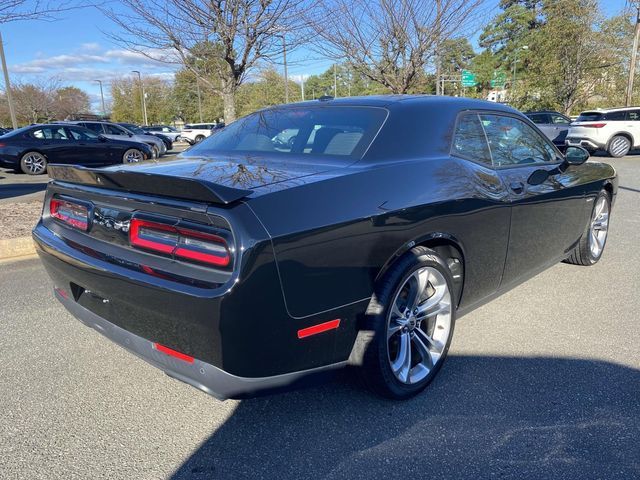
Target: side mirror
{"x": 575, "y": 155}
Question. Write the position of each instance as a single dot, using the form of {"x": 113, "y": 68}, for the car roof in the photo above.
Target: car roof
{"x": 606, "y": 110}
{"x": 544, "y": 111}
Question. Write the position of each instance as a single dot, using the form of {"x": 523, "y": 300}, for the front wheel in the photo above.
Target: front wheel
{"x": 619, "y": 146}
{"x": 412, "y": 317}
{"x": 591, "y": 244}
{"x": 199, "y": 138}
{"x": 154, "y": 152}
{"x": 33, "y": 163}
{"x": 133, "y": 155}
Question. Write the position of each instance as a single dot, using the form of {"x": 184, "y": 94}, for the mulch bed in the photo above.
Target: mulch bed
{"x": 18, "y": 219}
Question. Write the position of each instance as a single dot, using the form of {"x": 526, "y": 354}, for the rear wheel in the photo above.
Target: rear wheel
{"x": 33, "y": 163}
{"x": 619, "y": 146}
{"x": 412, "y": 319}
{"x": 591, "y": 244}
{"x": 133, "y": 155}
{"x": 154, "y": 151}
{"x": 199, "y": 138}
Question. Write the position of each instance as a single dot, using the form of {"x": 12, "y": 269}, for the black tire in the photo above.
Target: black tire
{"x": 199, "y": 138}
{"x": 619, "y": 146}
{"x": 376, "y": 371}
{"x": 33, "y": 163}
{"x": 583, "y": 254}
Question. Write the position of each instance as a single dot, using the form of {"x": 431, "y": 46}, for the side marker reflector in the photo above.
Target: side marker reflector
{"x": 173, "y": 353}
{"x": 321, "y": 327}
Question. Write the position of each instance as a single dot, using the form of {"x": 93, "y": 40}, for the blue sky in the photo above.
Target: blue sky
{"x": 75, "y": 50}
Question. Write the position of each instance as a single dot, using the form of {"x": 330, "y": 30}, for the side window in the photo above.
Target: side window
{"x": 95, "y": 127}
{"x": 634, "y": 115}
{"x": 615, "y": 116}
{"x": 559, "y": 120}
{"x": 50, "y": 133}
{"x": 513, "y": 142}
{"x": 469, "y": 140}
{"x": 79, "y": 134}
{"x": 113, "y": 130}
{"x": 539, "y": 118}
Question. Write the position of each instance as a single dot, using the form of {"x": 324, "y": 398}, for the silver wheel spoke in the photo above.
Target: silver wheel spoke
{"x": 402, "y": 364}
{"x": 424, "y": 351}
{"x": 393, "y": 329}
{"x": 433, "y": 304}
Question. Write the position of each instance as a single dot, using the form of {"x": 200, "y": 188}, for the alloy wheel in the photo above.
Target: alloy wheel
{"x": 132, "y": 156}
{"x": 599, "y": 227}
{"x": 418, "y": 325}
{"x": 34, "y": 162}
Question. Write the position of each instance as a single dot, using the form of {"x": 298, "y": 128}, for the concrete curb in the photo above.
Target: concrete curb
{"x": 16, "y": 247}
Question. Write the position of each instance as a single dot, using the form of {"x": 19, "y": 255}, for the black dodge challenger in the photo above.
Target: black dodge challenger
{"x": 251, "y": 262}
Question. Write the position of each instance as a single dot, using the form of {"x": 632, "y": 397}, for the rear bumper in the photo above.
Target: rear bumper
{"x": 588, "y": 143}
{"x": 199, "y": 374}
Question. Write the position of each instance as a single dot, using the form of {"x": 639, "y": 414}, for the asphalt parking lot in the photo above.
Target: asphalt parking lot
{"x": 542, "y": 383}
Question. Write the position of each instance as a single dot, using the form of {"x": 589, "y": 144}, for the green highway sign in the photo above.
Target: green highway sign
{"x": 499, "y": 79}
{"x": 468, "y": 79}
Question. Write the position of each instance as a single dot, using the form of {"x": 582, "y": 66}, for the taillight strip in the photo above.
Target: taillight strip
{"x": 173, "y": 353}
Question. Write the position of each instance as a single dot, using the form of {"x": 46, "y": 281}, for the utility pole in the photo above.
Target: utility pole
{"x": 7, "y": 86}
{"x": 302, "y": 86}
{"x": 634, "y": 53}
{"x": 199, "y": 100}
{"x": 515, "y": 68}
{"x": 335, "y": 81}
{"x": 104, "y": 110}
{"x": 144, "y": 99}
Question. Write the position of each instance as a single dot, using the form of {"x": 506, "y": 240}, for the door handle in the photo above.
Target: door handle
{"x": 517, "y": 187}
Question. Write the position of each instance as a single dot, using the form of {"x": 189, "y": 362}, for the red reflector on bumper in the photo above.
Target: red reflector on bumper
{"x": 321, "y": 327}
{"x": 173, "y": 353}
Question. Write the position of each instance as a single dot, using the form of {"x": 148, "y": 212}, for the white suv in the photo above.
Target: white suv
{"x": 196, "y": 132}
{"x": 616, "y": 130}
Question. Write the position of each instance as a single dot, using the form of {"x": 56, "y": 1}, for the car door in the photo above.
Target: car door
{"x": 546, "y": 219}
{"x": 53, "y": 141}
{"x": 633, "y": 122}
{"x": 89, "y": 149}
{"x": 558, "y": 128}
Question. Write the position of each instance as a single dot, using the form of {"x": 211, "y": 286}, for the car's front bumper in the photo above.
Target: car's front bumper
{"x": 199, "y": 374}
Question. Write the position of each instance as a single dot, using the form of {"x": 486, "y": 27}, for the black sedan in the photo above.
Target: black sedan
{"x": 168, "y": 143}
{"x": 31, "y": 149}
{"x": 248, "y": 263}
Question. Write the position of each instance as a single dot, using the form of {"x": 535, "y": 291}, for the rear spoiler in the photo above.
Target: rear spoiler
{"x": 148, "y": 183}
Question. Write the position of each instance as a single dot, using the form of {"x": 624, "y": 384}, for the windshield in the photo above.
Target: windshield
{"x": 337, "y": 131}
{"x": 133, "y": 128}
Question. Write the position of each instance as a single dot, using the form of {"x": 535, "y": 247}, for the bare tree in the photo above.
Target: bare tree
{"x": 389, "y": 41}
{"x": 220, "y": 41}
{"x": 13, "y": 10}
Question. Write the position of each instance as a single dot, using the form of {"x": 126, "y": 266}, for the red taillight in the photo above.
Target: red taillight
{"x": 180, "y": 242}
{"x": 3, "y": 145}
{"x": 594, "y": 125}
{"x": 173, "y": 353}
{"x": 321, "y": 327}
{"x": 71, "y": 213}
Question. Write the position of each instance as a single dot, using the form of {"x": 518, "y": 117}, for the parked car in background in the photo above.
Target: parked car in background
{"x": 614, "y": 130}
{"x": 166, "y": 130}
{"x": 194, "y": 133}
{"x": 250, "y": 262}
{"x": 113, "y": 130}
{"x": 4, "y": 130}
{"x": 168, "y": 143}
{"x": 31, "y": 149}
{"x": 553, "y": 124}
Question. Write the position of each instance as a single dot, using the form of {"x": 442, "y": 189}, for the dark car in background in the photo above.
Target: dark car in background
{"x": 31, "y": 149}
{"x": 168, "y": 143}
{"x": 249, "y": 262}
{"x": 553, "y": 124}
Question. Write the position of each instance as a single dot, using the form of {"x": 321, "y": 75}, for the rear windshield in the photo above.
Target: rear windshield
{"x": 597, "y": 116}
{"x": 589, "y": 117}
{"x": 336, "y": 131}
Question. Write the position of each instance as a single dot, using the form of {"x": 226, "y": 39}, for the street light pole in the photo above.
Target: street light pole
{"x": 7, "y": 86}
{"x": 286, "y": 73}
{"x": 199, "y": 100}
{"x": 634, "y": 53}
{"x": 515, "y": 66}
{"x": 144, "y": 100}
{"x": 104, "y": 110}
